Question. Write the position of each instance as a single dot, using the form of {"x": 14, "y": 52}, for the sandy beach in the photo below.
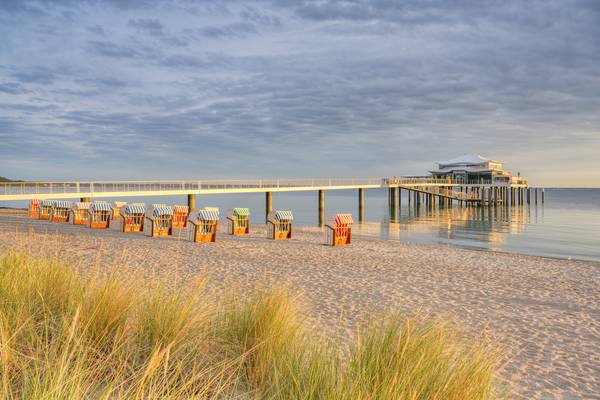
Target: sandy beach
{"x": 544, "y": 314}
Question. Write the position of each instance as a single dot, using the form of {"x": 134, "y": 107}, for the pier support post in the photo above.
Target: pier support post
{"x": 321, "y": 208}
{"x": 542, "y": 195}
{"x": 361, "y": 205}
{"x": 521, "y": 196}
{"x": 535, "y": 192}
{"x": 399, "y": 198}
{"x": 393, "y": 203}
{"x": 191, "y": 201}
{"x": 528, "y": 196}
{"x": 268, "y": 205}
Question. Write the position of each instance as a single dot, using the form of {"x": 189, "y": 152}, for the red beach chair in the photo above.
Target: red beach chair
{"x": 339, "y": 231}
{"x": 180, "y": 216}
{"x": 34, "y": 208}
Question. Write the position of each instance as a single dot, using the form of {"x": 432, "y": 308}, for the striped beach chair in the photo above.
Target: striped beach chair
{"x": 61, "y": 211}
{"x": 45, "y": 209}
{"x": 116, "y": 209}
{"x": 161, "y": 221}
{"x": 279, "y": 225}
{"x": 180, "y": 216}
{"x": 339, "y": 230}
{"x": 80, "y": 212}
{"x": 239, "y": 221}
{"x": 205, "y": 227}
{"x": 99, "y": 215}
{"x": 133, "y": 216}
{"x": 34, "y": 208}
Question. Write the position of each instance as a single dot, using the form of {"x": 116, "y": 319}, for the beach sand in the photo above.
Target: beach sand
{"x": 544, "y": 314}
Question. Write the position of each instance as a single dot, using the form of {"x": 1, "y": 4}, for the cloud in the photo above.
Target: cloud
{"x": 148, "y": 25}
{"x": 370, "y": 87}
{"x": 12, "y": 88}
{"x": 113, "y": 50}
{"x": 239, "y": 29}
{"x": 37, "y": 75}
{"x": 96, "y": 29}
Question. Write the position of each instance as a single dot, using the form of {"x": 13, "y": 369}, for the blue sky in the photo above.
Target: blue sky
{"x": 204, "y": 89}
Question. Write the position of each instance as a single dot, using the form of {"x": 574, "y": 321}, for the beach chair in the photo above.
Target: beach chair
{"x": 80, "y": 212}
{"x": 116, "y": 209}
{"x": 279, "y": 225}
{"x": 133, "y": 216}
{"x": 34, "y": 208}
{"x": 338, "y": 230}
{"x": 180, "y": 216}
{"x": 239, "y": 221}
{"x": 161, "y": 221}
{"x": 45, "y": 209}
{"x": 205, "y": 227}
{"x": 61, "y": 211}
{"x": 99, "y": 215}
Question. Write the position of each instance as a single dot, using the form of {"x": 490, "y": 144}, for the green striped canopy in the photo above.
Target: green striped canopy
{"x": 241, "y": 212}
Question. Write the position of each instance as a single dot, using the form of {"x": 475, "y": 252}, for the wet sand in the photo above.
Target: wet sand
{"x": 543, "y": 313}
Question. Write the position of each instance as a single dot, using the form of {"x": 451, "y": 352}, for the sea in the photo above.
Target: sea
{"x": 566, "y": 225}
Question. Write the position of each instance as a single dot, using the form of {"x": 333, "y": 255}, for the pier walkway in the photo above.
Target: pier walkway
{"x": 104, "y": 189}
{"x": 428, "y": 191}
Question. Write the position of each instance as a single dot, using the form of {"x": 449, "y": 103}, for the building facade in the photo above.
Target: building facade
{"x": 476, "y": 170}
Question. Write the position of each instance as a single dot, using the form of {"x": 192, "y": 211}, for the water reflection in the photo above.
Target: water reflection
{"x": 487, "y": 225}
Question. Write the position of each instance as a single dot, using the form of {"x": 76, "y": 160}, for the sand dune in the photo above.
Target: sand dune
{"x": 543, "y": 313}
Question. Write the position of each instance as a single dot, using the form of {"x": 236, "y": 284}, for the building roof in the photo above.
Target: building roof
{"x": 468, "y": 159}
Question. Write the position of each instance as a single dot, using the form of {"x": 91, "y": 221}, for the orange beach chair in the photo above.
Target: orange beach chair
{"x": 339, "y": 230}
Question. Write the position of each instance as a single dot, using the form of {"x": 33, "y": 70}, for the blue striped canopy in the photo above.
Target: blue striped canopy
{"x": 100, "y": 206}
{"x": 283, "y": 215}
{"x": 135, "y": 208}
{"x": 158, "y": 211}
{"x": 47, "y": 203}
{"x": 61, "y": 204}
{"x": 208, "y": 215}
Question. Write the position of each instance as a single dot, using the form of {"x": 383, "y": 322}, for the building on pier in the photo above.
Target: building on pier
{"x": 476, "y": 170}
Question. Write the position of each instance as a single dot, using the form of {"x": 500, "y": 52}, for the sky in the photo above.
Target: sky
{"x": 174, "y": 89}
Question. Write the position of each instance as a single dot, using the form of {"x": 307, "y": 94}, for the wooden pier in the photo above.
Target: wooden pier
{"x": 428, "y": 191}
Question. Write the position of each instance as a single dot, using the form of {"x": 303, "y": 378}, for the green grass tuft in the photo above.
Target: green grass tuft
{"x": 68, "y": 336}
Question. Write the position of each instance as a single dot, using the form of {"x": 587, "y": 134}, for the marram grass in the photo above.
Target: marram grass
{"x": 66, "y": 336}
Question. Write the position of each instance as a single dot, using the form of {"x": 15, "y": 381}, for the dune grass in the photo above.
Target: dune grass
{"x": 68, "y": 336}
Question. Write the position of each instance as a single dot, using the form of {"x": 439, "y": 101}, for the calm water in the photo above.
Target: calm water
{"x": 566, "y": 226}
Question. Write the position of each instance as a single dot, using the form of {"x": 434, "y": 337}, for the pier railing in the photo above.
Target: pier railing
{"x": 28, "y": 190}
{"x": 33, "y": 188}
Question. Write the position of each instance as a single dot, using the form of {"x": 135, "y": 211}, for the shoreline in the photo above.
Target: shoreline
{"x": 310, "y": 228}
{"x": 543, "y": 313}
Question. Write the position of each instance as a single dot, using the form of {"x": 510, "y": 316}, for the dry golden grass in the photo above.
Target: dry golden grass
{"x": 68, "y": 336}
